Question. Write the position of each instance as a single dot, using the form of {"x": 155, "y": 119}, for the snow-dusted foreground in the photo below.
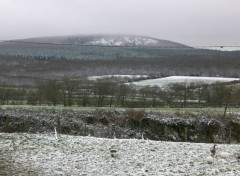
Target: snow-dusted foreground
{"x": 42, "y": 154}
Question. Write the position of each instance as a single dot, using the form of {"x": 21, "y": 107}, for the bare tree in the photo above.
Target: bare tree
{"x": 68, "y": 87}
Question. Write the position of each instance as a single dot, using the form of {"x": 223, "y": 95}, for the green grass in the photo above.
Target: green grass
{"x": 194, "y": 110}
{"x": 210, "y": 110}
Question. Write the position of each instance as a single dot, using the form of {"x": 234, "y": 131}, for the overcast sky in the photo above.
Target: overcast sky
{"x": 191, "y": 22}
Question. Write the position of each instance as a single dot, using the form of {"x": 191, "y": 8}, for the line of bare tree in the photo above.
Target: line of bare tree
{"x": 102, "y": 93}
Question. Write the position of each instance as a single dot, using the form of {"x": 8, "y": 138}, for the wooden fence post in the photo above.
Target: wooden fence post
{"x": 165, "y": 132}
{"x": 230, "y": 135}
{"x": 185, "y": 133}
{"x": 238, "y": 133}
{"x": 85, "y": 130}
{"x": 6, "y": 127}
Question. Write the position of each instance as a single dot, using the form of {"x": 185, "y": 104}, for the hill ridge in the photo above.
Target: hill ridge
{"x": 107, "y": 40}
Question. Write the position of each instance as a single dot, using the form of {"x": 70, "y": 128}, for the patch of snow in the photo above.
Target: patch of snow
{"x": 124, "y": 41}
{"x": 221, "y": 48}
{"x": 127, "y": 39}
{"x": 117, "y": 76}
{"x": 224, "y": 155}
{"x": 161, "y": 82}
{"x": 150, "y": 42}
{"x": 209, "y": 159}
{"x": 103, "y": 41}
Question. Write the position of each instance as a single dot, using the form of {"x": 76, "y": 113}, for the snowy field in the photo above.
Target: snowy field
{"x": 161, "y": 82}
{"x": 219, "y": 48}
{"x": 42, "y": 154}
{"x": 94, "y": 78}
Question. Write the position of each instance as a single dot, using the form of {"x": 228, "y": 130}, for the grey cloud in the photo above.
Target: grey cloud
{"x": 193, "y": 22}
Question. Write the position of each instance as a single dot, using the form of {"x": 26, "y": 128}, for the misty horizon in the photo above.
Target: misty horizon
{"x": 193, "y": 23}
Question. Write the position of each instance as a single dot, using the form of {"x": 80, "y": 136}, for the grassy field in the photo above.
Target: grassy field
{"x": 210, "y": 110}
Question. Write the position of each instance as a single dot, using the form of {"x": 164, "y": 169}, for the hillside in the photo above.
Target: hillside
{"x": 91, "y": 55}
{"x": 108, "y": 40}
{"x": 100, "y": 47}
{"x": 80, "y": 68}
{"x": 90, "y": 47}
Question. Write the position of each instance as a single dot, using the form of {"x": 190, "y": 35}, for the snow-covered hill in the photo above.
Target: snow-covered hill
{"x": 102, "y": 47}
{"x": 109, "y": 40}
{"x": 42, "y": 154}
{"x": 162, "y": 82}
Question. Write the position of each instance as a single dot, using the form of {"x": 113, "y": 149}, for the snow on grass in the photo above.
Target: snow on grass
{"x": 161, "y": 82}
{"x": 41, "y": 154}
{"x": 93, "y": 78}
{"x": 223, "y": 48}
